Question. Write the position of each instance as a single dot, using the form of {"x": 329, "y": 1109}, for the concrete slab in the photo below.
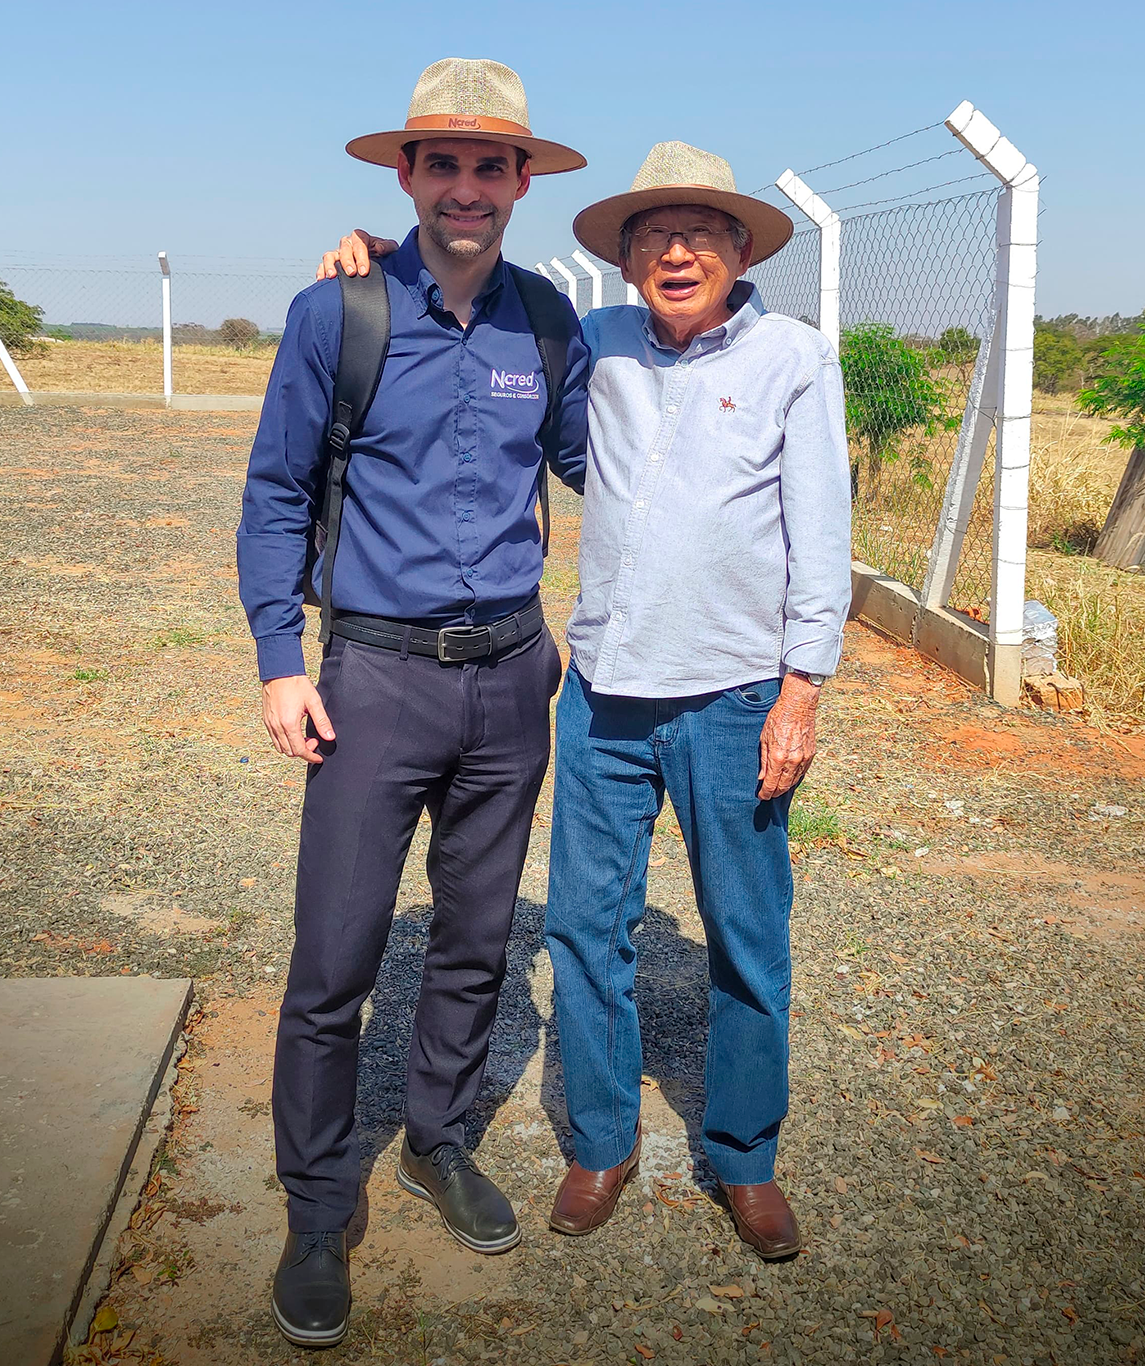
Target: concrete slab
{"x": 83, "y": 1059}
{"x": 85, "y": 398}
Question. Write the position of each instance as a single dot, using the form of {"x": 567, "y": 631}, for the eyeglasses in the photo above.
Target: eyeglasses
{"x": 701, "y": 241}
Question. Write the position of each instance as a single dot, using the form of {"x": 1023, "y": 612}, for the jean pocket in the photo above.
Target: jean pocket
{"x": 760, "y": 696}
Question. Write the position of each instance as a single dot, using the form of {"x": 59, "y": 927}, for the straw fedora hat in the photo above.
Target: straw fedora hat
{"x": 675, "y": 173}
{"x": 460, "y": 97}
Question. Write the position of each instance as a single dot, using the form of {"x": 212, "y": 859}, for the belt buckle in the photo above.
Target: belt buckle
{"x": 457, "y": 635}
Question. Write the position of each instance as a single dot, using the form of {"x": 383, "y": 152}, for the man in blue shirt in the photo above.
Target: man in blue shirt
{"x": 435, "y": 685}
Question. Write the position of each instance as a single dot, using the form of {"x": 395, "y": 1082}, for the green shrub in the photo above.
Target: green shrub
{"x": 19, "y": 322}
{"x": 1118, "y": 387}
{"x": 890, "y": 391}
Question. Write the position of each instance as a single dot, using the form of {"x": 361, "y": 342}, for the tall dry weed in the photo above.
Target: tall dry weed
{"x": 1073, "y": 477}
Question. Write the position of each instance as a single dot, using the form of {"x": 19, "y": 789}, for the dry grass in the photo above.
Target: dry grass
{"x": 137, "y": 368}
{"x": 1074, "y": 474}
{"x": 1101, "y": 628}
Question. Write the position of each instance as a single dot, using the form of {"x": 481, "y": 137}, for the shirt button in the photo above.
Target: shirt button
{"x": 671, "y": 407}
{"x": 654, "y": 456}
{"x": 467, "y": 456}
{"x": 640, "y": 502}
{"x": 629, "y": 561}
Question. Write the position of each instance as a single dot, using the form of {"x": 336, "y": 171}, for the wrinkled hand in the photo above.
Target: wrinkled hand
{"x": 787, "y": 741}
{"x": 354, "y": 252}
{"x": 285, "y": 704}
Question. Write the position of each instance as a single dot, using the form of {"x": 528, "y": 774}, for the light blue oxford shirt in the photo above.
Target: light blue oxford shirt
{"x": 715, "y": 549}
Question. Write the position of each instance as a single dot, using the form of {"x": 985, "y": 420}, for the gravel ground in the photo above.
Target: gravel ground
{"x": 965, "y": 1145}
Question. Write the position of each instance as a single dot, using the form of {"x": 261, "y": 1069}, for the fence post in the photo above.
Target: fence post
{"x": 542, "y": 269}
{"x": 570, "y": 279}
{"x": 165, "y": 268}
{"x": 965, "y": 471}
{"x": 1017, "y": 235}
{"x": 15, "y": 376}
{"x": 595, "y": 275}
{"x": 830, "y": 237}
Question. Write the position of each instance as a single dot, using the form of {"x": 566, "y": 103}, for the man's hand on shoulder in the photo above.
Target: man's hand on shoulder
{"x": 286, "y": 702}
{"x": 354, "y": 252}
{"x": 787, "y": 741}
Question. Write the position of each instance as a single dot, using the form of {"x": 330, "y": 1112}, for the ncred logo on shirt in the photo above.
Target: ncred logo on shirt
{"x": 505, "y": 384}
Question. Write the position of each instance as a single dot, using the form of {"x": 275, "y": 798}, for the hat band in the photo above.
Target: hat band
{"x": 465, "y": 123}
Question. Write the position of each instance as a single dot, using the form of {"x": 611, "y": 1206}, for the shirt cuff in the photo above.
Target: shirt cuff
{"x": 808, "y": 649}
{"x": 280, "y": 656}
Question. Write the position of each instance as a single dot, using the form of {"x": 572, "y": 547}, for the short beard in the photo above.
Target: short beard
{"x": 466, "y": 248}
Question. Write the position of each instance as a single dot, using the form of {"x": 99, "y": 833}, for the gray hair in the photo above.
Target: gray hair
{"x": 740, "y": 235}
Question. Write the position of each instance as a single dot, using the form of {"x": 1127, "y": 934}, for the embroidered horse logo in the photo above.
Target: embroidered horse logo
{"x": 727, "y": 406}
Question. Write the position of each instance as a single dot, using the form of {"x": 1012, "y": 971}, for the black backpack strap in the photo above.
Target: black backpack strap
{"x": 365, "y": 344}
{"x": 553, "y": 329}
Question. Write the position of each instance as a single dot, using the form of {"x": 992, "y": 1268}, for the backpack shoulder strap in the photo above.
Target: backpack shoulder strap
{"x": 361, "y": 358}
{"x": 552, "y": 327}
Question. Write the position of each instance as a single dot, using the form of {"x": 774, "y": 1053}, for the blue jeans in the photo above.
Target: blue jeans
{"x": 616, "y": 757}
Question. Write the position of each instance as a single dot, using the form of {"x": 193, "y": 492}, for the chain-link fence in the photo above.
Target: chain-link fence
{"x": 101, "y": 322}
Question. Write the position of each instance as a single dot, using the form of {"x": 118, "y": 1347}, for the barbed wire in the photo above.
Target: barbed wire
{"x": 882, "y": 175}
{"x": 854, "y": 156}
{"x": 909, "y": 196}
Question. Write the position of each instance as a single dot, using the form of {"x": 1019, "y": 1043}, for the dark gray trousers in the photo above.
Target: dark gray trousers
{"x": 470, "y": 743}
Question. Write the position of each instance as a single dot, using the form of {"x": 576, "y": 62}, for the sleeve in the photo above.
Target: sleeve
{"x": 815, "y": 500}
{"x": 282, "y": 486}
{"x": 566, "y": 450}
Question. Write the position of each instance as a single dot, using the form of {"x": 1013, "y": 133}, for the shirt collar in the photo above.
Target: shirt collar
{"x": 749, "y": 308}
{"x": 412, "y": 271}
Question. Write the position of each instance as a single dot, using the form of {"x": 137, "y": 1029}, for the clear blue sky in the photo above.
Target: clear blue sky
{"x": 218, "y": 128}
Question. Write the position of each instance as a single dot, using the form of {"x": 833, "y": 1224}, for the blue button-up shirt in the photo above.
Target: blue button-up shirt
{"x": 439, "y": 522}
{"x": 715, "y": 547}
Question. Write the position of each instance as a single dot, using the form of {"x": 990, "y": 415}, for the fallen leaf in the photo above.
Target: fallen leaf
{"x": 247, "y": 881}
{"x": 883, "y": 1319}
{"x": 841, "y": 1185}
{"x": 657, "y": 862}
{"x": 963, "y": 1121}
{"x": 144, "y": 1275}
{"x": 1071, "y": 1313}
{"x": 646, "y": 1352}
{"x": 520, "y": 1332}
{"x": 706, "y": 1302}
{"x": 677, "y": 1332}
{"x": 727, "y": 1292}
{"x": 852, "y": 1033}
{"x": 105, "y": 1320}
{"x": 929, "y": 1157}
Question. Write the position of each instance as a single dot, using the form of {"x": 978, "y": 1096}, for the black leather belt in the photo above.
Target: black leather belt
{"x": 451, "y": 644}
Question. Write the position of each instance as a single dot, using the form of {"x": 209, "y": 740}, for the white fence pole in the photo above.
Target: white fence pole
{"x": 1016, "y": 273}
{"x": 569, "y": 278}
{"x": 14, "y": 375}
{"x": 165, "y": 268}
{"x": 827, "y": 221}
{"x": 632, "y": 295}
{"x": 542, "y": 269}
{"x": 965, "y": 471}
{"x": 595, "y": 275}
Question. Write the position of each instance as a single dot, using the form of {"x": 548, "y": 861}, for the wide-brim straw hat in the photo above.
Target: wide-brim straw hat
{"x": 675, "y": 173}
{"x": 461, "y": 97}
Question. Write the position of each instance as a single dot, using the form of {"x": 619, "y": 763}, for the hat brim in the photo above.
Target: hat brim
{"x": 545, "y": 158}
{"x": 598, "y": 226}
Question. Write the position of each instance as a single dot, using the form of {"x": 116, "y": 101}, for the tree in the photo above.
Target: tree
{"x": 890, "y": 391}
{"x": 1059, "y": 359}
{"x": 958, "y": 346}
{"x": 19, "y": 322}
{"x": 1118, "y": 390}
{"x": 238, "y": 332}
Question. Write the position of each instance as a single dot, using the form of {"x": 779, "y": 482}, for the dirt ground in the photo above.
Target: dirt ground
{"x": 964, "y": 1149}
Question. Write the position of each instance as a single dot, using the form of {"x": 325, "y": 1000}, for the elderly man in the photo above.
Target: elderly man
{"x": 714, "y": 584}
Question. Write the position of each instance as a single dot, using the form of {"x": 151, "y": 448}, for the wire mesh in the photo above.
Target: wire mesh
{"x": 916, "y": 303}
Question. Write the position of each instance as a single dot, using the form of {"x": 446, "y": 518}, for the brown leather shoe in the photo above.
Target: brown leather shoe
{"x": 764, "y": 1219}
{"x": 586, "y": 1199}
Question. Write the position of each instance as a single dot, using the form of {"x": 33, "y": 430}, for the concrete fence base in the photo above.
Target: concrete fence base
{"x": 955, "y": 641}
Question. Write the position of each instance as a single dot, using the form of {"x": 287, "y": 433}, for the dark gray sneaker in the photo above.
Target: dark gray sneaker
{"x": 470, "y": 1205}
{"x": 311, "y": 1300}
